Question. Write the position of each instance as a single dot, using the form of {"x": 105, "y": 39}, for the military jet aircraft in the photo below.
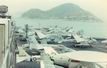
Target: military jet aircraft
{"x": 81, "y": 59}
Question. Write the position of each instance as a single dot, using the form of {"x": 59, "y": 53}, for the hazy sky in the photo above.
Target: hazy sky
{"x": 97, "y": 7}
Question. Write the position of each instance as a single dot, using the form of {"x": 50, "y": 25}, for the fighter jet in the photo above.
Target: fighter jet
{"x": 48, "y": 38}
{"x": 81, "y": 41}
{"x": 81, "y": 59}
{"x": 104, "y": 42}
{"x": 24, "y": 56}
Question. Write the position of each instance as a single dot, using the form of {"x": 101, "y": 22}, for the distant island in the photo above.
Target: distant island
{"x": 66, "y": 11}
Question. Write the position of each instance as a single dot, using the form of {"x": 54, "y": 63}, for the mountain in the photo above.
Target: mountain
{"x": 66, "y": 11}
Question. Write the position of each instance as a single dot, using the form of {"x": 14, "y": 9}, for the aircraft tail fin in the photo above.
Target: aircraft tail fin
{"x": 78, "y": 38}
{"x": 40, "y": 34}
{"x": 50, "y": 51}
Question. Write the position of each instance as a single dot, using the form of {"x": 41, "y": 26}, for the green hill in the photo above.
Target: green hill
{"x": 67, "y": 11}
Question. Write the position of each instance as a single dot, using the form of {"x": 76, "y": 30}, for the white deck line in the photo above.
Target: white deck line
{"x": 42, "y": 64}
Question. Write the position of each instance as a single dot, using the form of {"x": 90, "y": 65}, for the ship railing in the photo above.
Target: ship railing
{"x": 9, "y": 59}
{"x": 4, "y": 65}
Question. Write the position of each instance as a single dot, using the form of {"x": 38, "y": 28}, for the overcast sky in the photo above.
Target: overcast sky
{"x": 97, "y": 7}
